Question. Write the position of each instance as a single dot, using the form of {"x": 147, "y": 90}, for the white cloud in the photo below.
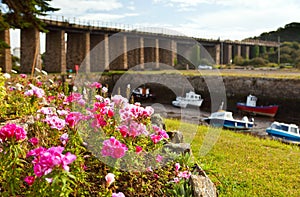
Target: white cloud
{"x": 107, "y": 17}
{"x": 74, "y": 8}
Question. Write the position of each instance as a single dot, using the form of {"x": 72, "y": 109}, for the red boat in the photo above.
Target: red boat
{"x": 250, "y": 107}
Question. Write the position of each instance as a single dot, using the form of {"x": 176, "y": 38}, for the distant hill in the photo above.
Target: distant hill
{"x": 289, "y": 33}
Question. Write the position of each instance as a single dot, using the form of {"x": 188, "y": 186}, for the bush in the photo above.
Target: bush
{"x": 258, "y": 61}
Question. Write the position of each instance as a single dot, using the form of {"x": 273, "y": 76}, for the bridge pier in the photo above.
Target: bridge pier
{"x": 142, "y": 53}
{"x": 55, "y": 55}
{"x": 166, "y": 52}
{"x": 5, "y": 57}
{"x": 118, "y": 52}
{"x": 97, "y": 52}
{"x": 30, "y": 49}
{"x": 227, "y": 59}
{"x": 78, "y": 47}
{"x": 133, "y": 50}
{"x": 245, "y": 51}
{"x": 157, "y": 53}
{"x": 237, "y": 50}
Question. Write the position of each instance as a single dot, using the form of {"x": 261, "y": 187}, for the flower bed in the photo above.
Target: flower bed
{"x": 83, "y": 143}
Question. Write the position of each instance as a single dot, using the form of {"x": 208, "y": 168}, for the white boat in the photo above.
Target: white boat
{"x": 225, "y": 119}
{"x": 284, "y": 131}
{"x": 191, "y": 98}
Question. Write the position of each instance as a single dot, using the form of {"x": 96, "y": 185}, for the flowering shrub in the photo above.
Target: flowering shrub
{"x": 83, "y": 144}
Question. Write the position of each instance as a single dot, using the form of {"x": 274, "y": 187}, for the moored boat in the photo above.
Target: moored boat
{"x": 225, "y": 119}
{"x": 284, "y": 131}
{"x": 191, "y": 98}
{"x": 251, "y": 107}
{"x": 142, "y": 93}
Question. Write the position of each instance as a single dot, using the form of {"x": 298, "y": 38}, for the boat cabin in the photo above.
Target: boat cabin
{"x": 251, "y": 100}
{"x": 290, "y": 128}
{"x": 192, "y": 95}
{"x": 225, "y": 115}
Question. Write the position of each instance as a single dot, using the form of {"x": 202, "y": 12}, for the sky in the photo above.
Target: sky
{"x": 211, "y": 19}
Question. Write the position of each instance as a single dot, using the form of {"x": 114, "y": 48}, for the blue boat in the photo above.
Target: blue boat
{"x": 225, "y": 119}
{"x": 284, "y": 131}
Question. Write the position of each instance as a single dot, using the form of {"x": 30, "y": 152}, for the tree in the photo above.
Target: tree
{"x": 23, "y": 14}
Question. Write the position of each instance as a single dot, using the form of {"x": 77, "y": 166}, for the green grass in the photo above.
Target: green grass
{"x": 243, "y": 165}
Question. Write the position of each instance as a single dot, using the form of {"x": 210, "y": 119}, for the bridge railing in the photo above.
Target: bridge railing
{"x": 112, "y": 25}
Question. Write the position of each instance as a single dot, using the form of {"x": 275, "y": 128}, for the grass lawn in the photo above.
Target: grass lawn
{"x": 243, "y": 165}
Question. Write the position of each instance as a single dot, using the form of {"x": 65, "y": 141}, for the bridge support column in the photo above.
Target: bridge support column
{"x": 237, "y": 50}
{"x": 5, "y": 54}
{"x": 227, "y": 53}
{"x": 142, "y": 55}
{"x": 97, "y": 52}
{"x": 217, "y": 53}
{"x": 30, "y": 49}
{"x": 157, "y": 53}
{"x": 125, "y": 55}
{"x": 174, "y": 52}
{"x": 246, "y": 52}
{"x": 165, "y": 52}
{"x": 55, "y": 55}
{"x": 118, "y": 52}
{"x": 78, "y": 47}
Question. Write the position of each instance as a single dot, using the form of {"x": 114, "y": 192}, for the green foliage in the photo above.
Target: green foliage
{"x": 238, "y": 60}
{"x": 195, "y": 55}
{"x": 288, "y": 33}
{"x": 255, "y": 51}
{"x": 23, "y": 14}
{"x": 258, "y": 61}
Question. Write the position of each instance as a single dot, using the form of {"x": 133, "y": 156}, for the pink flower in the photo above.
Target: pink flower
{"x": 138, "y": 149}
{"x": 66, "y": 160}
{"x": 155, "y": 138}
{"x": 133, "y": 129}
{"x": 149, "y": 169}
{"x": 46, "y": 159}
{"x": 64, "y": 138}
{"x": 119, "y": 194}
{"x": 95, "y": 85}
{"x": 34, "y": 141}
{"x": 156, "y": 176}
{"x": 73, "y": 118}
{"x": 159, "y": 158}
{"x": 113, "y": 148}
{"x": 185, "y": 174}
{"x": 110, "y": 178}
{"x": 29, "y": 180}
{"x": 176, "y": 180}
{"x": 23, "y": 76}
{"x": 119, "y": 100}
{"x": 10, "y": 131}
{"x": 177, "y": 166}
{"x": 55, "y": 122}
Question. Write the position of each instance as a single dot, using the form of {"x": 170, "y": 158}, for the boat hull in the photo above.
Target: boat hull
{"x": 283, "y": 135}
{"x": 270, "y": 110}
{"x": 184, "y": 104}
{"x": 230, "y": 124}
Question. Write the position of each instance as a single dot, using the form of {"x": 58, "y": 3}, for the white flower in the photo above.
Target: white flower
{"x": 44, "y": 72}
{"x": 6, "y": 75}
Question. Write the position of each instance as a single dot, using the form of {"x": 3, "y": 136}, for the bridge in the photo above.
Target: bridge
{"x": 98, "y": 47}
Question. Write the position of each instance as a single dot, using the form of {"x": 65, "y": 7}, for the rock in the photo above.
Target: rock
{"x": 157, "y": 120}
{"x": 202, "y": 186}
{"x": 178, "y": 148}
{"x": 175, "y": 136}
